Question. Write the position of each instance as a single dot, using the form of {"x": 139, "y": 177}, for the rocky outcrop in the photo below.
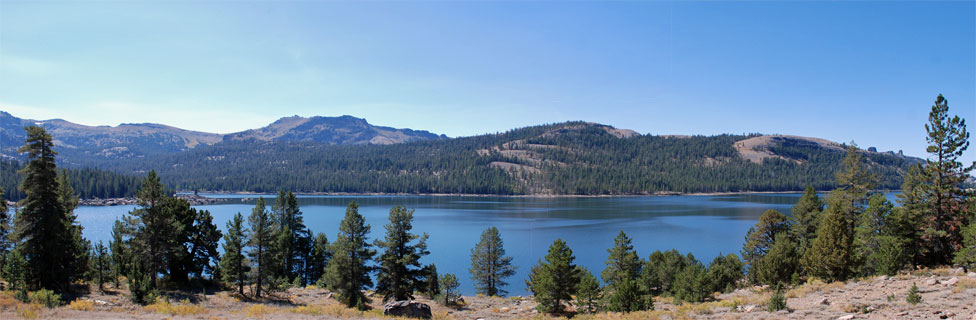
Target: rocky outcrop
{"x": 404, "y": 308}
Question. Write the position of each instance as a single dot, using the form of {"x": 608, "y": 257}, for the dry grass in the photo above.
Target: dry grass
{"x": 82, "y": 305}
{"x": 259, "y": 310}
{"x": 964, "y": 284}
{"x": 185, "y": 308}
{"x": 639, "y": 315}
{"x": 7, "y": 301}
{"x": 29, "y": 311}
{"x": 331, "y": 310}
{"x": 812, "y": 286}
{"x": 443, "y": 315}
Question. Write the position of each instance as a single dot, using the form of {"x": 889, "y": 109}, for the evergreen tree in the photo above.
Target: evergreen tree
{"x": 431, "y": 284}
{"x": 449, "y": 285}
{"x": 289, "y": 238}
{"x": 347, "y": 272}
{"x": 877, "y": 247}
{"x": 966, "y": 256}
{"x": 779, "y": 264}
{"x": 41, "y": 228}
{"x": 153, "y": 227}
{"x": 856, "y": 180}
{"x": 235, "y": 266}
{"x": 489, "y": 265}
{"x": 203, "y": 244}
{"x": 5, "y": 231}
{"x": 119, "y": 250}
{"x": 946, "y": 210}
{"x": 908, "y": 217}
{"x": 761, "y": 237}
{"x": 830, "y": 256}
{"x": 400, "y": 272}
{"x": 100, "y": 264}
{"x": 805, "y": 216}
{"x": 554, "y": 280}
{"x": 260, "y": 235}
{"x": 657, "y": 275}
{"x": 319, "y": 258}
{"x": 725, "y": 272}
{"x": 588, "y": 293}
{"x": 692, "y": 283}
{"x": 623, "y": 268}
{"x": 79, "y": 248}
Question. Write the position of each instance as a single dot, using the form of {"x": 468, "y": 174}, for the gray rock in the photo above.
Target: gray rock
{"x": 951, "y": 281}
{"x": 825, "y": 302}
{"x": 931, "y": 282}
{"x": 404, "y": 308}
{"x": 971, "y": 274}
{"x": 847, "y": 317}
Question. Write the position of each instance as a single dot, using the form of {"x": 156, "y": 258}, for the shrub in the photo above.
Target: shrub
{"x": 913, "y": 296}
{"x": 29, "y": 311}
{"x": 45, "y": 297}
{"x": 82, "y": 305}
{"x": 449, "y": 289}
{"x": 777, "y": 301}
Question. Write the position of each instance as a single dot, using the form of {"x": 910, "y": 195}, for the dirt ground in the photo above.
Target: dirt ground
{"x": 946, "y": 294}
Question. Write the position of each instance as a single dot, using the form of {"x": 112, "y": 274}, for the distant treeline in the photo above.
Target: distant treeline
{"x": 569, "y": 158}
{"x": 88, "y": 183}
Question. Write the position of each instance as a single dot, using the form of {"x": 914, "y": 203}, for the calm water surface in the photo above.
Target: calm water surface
{"x": 703, "y": 225}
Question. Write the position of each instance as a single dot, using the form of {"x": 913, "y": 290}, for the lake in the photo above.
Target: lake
{"x": 703, "y": 225}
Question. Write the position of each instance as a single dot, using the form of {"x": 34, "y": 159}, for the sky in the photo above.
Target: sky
{"x": 859, "y": 71}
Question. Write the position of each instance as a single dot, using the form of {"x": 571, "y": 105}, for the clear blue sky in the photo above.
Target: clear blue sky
{"x": 862, "y": 71}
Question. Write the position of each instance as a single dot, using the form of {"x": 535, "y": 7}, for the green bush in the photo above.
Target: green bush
{"x": 46, "y": 297}
{"x": 777, "y": 301}
{"x": 913, "y": 296}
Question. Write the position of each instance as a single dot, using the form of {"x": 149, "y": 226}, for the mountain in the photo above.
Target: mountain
{"x": 83, "y": 145}
{"x": 572, "y": 158}
{"x": 332, "y": 130}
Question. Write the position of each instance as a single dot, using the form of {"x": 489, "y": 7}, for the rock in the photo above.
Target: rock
{"x": 505, "y": 309}
{"x": 931, "y": 282}
{"x": 883, "y": 278}
{"x": 460, "y": 300}
{"x": 951, "y": 281}
{"x": 825, "y": 302}
{"x": 901, "y": 314}
{"x": 847, "y": 317}
{"x": 329, "y": 296}
{"x": 960, "y": 270}
{"x": 404, "y": 308}
{"x": 748, "y": 308}
{"x": 971, "y": 274}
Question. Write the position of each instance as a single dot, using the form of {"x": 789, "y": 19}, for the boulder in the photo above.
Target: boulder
{"x": 847, "y": 317}
{"x": 931, "y": 282}
{"x": 951, "y": 281}
{"x": 410, "y": 309}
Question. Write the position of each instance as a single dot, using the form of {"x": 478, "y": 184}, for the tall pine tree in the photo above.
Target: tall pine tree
{"x": 554, "y": 280}
{"x": 400, "y": 272}
{"x": 489, "y": 265}
{"x": 348, "y": 271}
{"x": 234, "y": 263}
{"x": 260, "y": 234}
{"x": 153, "y": 228}
{"x": 623, "y": 268}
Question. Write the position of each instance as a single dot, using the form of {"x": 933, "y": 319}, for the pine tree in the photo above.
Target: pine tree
{"x": 761, "y": 237}
{"x": 203, "y": 244}
{"x": 726, "y": 271}
{"x": 830, "y": 256}
{"x": 41, "y": 229}
{"x": 449, "y": 285}
{"x": 348, "y": 273}
{"x": 78, "y": 247}
{"x": 657, "y": 275}
{"x": 400, "y": 272}
{"x": 153, "y": 228}
{"x": 877, "y": 247}
{"x": 692, "y": 283}
{"x": 100, "y": 265}
{"x": 289, "y": 227}
{"x": 5, "y": 230}
{"x": 779, "y": 264}
{"x": 319, "y": 258}
{"x": 259, "y": 240}
{"x": 907, "y": 219}
{"x": 489, "y": 265}
{"x": 235, "y": 265}
{"x": 942, "y": 188}
{"x": 805, "y": 216}
{"x": 431, "y": 287}
{"x": 554, "y": 280}
{"x": 588, "y": 293}
{"x": 623, "y": 268}
{"x": 119, "y": 250}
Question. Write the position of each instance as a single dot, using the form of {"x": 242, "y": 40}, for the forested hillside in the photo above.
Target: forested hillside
{"x": 88, "y": 183}
{"x": 574, "y": 158}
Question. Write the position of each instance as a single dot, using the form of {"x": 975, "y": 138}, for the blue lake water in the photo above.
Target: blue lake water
{"x": 703, "y": 225}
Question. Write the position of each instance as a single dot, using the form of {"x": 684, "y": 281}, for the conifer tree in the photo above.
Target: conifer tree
{"x": 623, "y": 269}
{"x": 761, "y": 237}
{"x": 431, "y": 287}
{"x": 554, "y": 281}
{"x": 41, "y": 228}
{"x": 347, "y": 272}
{"x": 877, "y": 247}
{"x": 830, "y": 256}
{"x": 400, "y": 272}
{"x": 692, "y": 283}
{"x": 588, "y": 293}
{"x": 5, "y": 230}
{"x": 319, "y": 258}
{"x": 153, "y": 228}
{"x": 805, "y": 216}
{"x": 780, "y": 263}
{"x": 260, "y": 233}
{"x": 946, "y": 200}
{"x": 725, "y": 272}
{"x": 289, "y": 234}
{"x": 449, "y": 285}
{"x": 489, "y": 265}
{"x": 78, "y": 247}
{"x": 235, "y": 266}
{"x": 100, "y": 264}
{"x": 119, "y": 251}
{"x": 657, "y": 275}
{"x": 907, "y": 218}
